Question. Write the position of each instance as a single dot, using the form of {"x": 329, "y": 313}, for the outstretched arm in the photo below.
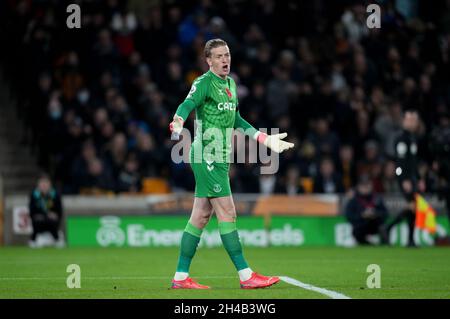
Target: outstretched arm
{"x": 195, "y": 98}
{"x": 180, "y": 116}
{"x": 184, "y": 109}
{"x": 240, "y": 123}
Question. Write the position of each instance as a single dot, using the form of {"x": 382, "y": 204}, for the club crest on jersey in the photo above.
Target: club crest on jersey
{"x": 230, "y": 95}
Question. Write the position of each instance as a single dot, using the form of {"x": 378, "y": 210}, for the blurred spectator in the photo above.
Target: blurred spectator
{"x": 133, "y": 62}
{"x": 124, "y": 24}
{"x": 79, "y": 169}
{"x": 325, "y": 141}
{"x": 387, "y": 125}
{"x": 354, "y": 21}
{"x": 46, "y": 211}
{"x": 390, "y": 183}
{"x": 308, "y": 163}
{"x": 149, "y": 159}
{"x": 290, "y": 184}
{"x": 218, "y": 29}
{"x": 439, "y": 141}
{"x": 191, "y": 26}
{"x": 367, "y": 213}
{"x": 249, "y": 177}
{"x": 347, "y": 167}
{"x": 99, "y": 178}
{"x": 235, "y": 182}
{"x": 129, "y": 178}
{"x": 53, "y": 134}
{"x": 70, "y": 77}
{"x": 406, "y": 150}
{"x": 255, "y": 107}
{"x": 105, "y": 54}
{"x": 267, "y": 184}
{"x": 119, "y": 112}
{"x": 105, "y": 134}
{"x": 364, "y": 133}
{"x": 35, "y": 119}
{"x": 116, "y": 153}
{"x": 278, "y": 94}
{"x": 366, "y": 165}
{"x": 328, "y": 180}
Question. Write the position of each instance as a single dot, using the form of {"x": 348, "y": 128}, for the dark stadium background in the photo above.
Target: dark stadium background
{"x": 105, "y": 93}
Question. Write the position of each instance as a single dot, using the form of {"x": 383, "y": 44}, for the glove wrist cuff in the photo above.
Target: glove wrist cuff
{"x": 179, "y": 117}
{"x": 261, "y": 137}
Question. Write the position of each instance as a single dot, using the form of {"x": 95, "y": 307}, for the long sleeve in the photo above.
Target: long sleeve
{"x": 240, "y": 123}
{"x": 185, "y": 108}
{"x": 195, "y": 97}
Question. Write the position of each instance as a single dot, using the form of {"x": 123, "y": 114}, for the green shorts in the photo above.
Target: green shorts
{"x": 211, "y": 179}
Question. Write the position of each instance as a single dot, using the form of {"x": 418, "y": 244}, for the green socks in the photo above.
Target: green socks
{"x": 230, "y": 239}
{"x": 189, "y": 242}
{"x": 232, "y": 244}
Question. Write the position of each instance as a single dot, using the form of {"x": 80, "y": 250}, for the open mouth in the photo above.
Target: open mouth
{"x": 225, "y": 68}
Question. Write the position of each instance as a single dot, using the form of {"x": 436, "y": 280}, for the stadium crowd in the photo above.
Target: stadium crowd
{"x": 97, "y": 101}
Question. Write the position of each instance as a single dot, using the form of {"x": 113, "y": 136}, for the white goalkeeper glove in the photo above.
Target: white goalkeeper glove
{"x": 274, "y": 142}
{"x": 176, "y": 126}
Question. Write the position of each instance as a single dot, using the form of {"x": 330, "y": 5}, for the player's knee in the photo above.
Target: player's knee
{"x": 228, "y": 217}
{"x": 203, "y": 222}
{"x": 201, "y": 219}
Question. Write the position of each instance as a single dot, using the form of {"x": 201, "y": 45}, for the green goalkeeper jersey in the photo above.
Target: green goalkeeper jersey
{"x": 216, "y": 104}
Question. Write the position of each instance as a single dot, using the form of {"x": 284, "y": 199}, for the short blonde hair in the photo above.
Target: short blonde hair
{"x": 211, "y": 44}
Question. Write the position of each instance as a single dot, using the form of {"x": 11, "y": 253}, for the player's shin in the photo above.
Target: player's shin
{"x": 188, "y": 247}
{"x": 232, "y": 244}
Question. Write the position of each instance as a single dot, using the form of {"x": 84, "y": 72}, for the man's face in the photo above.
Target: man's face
{"x": 411, "y": 121}
{"x": 327, "y": 168}
{"x": 219, "y": 61}
{"x": 365, "y": 188}
{"x": 44, "y": 185}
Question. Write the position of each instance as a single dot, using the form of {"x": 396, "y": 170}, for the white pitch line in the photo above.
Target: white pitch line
{"x": 289, "y": 280}
{"x": 330, "y": 293}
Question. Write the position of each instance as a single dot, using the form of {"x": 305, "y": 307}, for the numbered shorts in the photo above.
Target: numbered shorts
{"x": 211, "y": 179}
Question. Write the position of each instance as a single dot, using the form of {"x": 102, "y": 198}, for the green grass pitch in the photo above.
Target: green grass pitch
{"x": 147, "y": 272}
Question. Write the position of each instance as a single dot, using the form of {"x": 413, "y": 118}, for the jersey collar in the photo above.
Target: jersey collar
{"x": 218, "y": 77}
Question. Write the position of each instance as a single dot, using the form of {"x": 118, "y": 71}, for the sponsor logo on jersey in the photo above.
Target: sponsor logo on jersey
{"x": 217, "y": 188}
{"x": 226, "y": 106}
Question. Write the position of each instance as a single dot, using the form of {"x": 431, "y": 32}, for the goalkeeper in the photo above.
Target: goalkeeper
{"x": 213, "y": 96}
